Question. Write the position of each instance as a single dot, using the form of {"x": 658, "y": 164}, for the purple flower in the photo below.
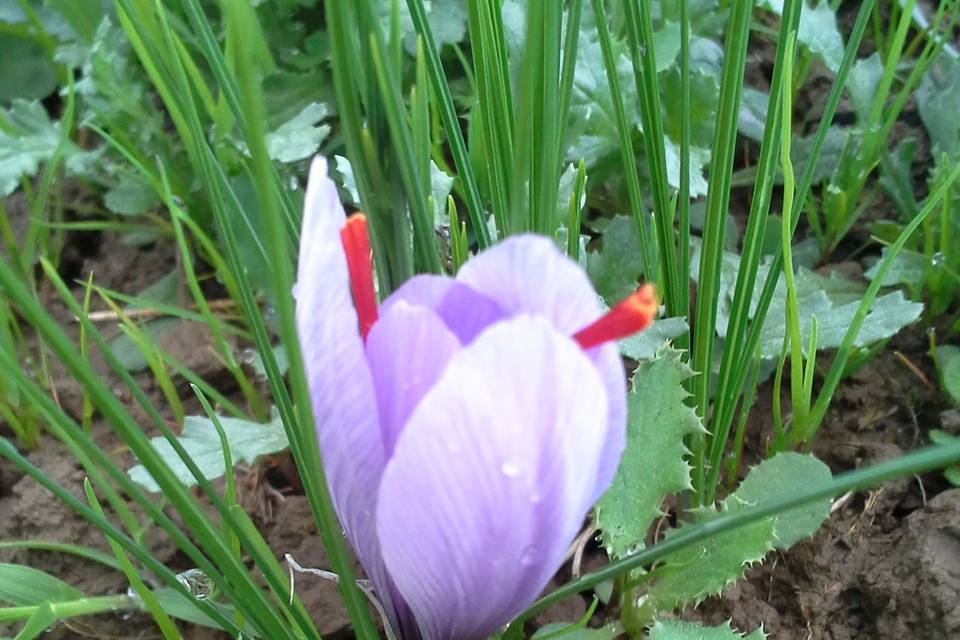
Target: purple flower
{"x": 468, "y": 424}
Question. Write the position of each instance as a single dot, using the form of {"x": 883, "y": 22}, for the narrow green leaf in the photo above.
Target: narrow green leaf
{"x": 25, "y": 586}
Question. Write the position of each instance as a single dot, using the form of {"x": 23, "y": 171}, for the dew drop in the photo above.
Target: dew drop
{"x": 937, "y": 259}
{"x": 529, "y": 556}
{"x": 510, "y": 468}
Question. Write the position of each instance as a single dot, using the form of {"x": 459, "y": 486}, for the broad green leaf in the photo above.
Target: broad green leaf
{"x": 909, "y": 268}
{"x": 131, "y": 197}
{"x": 831, "y": 299}
{"x": 818, "y": 31}
{"x": 299, "y": 137}
{"x": 863, "y": 81}
{"x": 248, "y": 441}
{"x": 23, "y": 586}
{"x": 780, "y": 475}
{"x": 949, "y": 358}
{"x": 25, "y": 73}
{"x": 556, "y": 630}
{"x": 653, "y": 464}
{"x": 124, "y": 348}
{"x": 678, "y": 630}
{"x": 440, "y": 185}
{"x": 888, "y": 315}
{"x": 447, "y": 18}
{"x": 616, "y": 268}
{"x": 937, "y": 98}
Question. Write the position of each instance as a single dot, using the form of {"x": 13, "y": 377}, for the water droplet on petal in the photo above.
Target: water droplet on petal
{"x": 536, "y": 497}
{"x": 529, "y": 556}
{"x": 510, "y": 468}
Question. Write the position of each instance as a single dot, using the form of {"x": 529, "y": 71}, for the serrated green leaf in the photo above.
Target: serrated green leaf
{"x": 779, "y": 475}
{"x": 949, "y": 359}
{"x": 23, "y": 586}
{"x": 653, "y": 464}
{"x": 646, "y": 344}
{"x": 702, "y": 570}
{"x": 818, "y": 31}
{"x": 29, "y": 139}
{"x": 678, "y": 630}
{"x": 299, "y": 137}
{"x": 248, "y": 441}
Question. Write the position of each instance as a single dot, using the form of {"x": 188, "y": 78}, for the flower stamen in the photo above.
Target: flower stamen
{"x": 356, "y": 246}
{"x": 632, "y": 314}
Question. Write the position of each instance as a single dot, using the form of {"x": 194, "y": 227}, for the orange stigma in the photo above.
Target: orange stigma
{"x": 356, "y": 246}
{"x": 632, "y": 314}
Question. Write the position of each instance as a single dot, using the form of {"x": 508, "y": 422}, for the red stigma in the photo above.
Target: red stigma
{"x": 356, "y": 246}
{"x": 632, "y": 314}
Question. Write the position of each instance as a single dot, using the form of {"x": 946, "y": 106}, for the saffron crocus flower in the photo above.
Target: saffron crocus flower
{"x": 467, "y": 424}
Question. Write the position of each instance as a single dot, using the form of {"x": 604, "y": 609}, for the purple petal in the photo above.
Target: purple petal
{"x": 408, "y": 348}
{"x": 528, "y": 274}
{"x": 464, "y": 311}
{"x": 341, "y": 386}
{"x": 491, "y": 479}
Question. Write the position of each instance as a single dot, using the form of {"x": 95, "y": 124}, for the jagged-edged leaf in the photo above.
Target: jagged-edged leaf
{"x": 701, "y": 570}
{"x": 679, "y": 630}
{"x": 704, "y": 569}
{"x": 653, "y": 464}
{"x": 28, "y": 139}
{"x": 818, "y": 30}
{"x": 247, "y": 440}
{"x": 779, "y": 475}
{"x": 23, "y": 586}
{"x": 948, "y": 357}
{"x": 616, "y": 268}
{"x": 646, "y": 344}
{"x": 299, "y": 137}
